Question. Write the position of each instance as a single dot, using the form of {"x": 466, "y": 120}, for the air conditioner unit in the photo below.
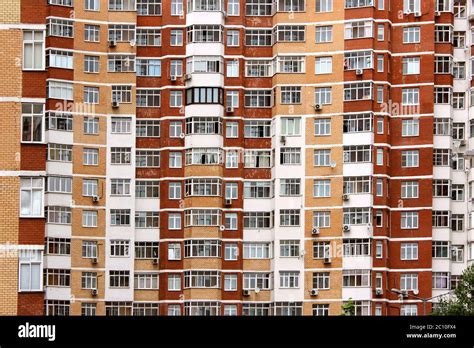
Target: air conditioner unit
{"x": 378, "y": 291}
{"x": 229, "y": 109}
{"x": 327, "y": 260}
{"x": 346, "y": 228}
{"x": 112, "y": 43}
{"x": 115, "y": 104}
{"x": 155, "y": 261}
{"x": 314, "y": 292}
{"x": 95, "y": 260}
{"x": 95, "y": 198}
{"x": 345, "y": 197}
{"x": 315, "y": 230}
{"x": 417, "y": 14}
{"x": 359, "y": 72}
{"x": 94, "y": 292}
{"x": 228, "y": 201}
{"x": 173, "y": 78}
{"x": 187, "y": 77}
{"x": 246, "y": 292}
{"x": 283, "y": 140}
{"x": 317, "y": 107}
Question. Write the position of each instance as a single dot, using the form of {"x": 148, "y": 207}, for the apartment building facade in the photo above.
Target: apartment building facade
{"x": 234, "y": 157}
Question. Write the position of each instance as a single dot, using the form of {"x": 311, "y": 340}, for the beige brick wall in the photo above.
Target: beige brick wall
{"x": 9, "y": 11}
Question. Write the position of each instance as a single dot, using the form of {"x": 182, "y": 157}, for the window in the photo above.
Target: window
{"x": 119, "y": 248}
{"x": 149, "y": 67}
{"x": 91, "y": 5}
{"x": 91, "y": 64}
{"x": 176, "y": 38}
{"x": 57, "y": 277}
{"x": 145, "y": 281}
{"x": 230, "y": 282}
{"x": 257, "y": 159}
{"x": 290, "y": 156}
{"x": 146, "y": 250}
{"x": 257, "y": 129}
{"x": 30, "y": 270}
{"x": 174, "y": 251}
{"x": 119, "y": 279}
{"x": 148, "y": 37}
{"x": 410, "y": 96}
{"x": 204, "y": 95}
{"x": 290, "y": 95}
{"x": 411, "y": 6}
{"x": 89, "y": 218}
{"x": 321, "y": 250}
{"x": 121, "y": 5}
{"x": 177, "y": 8}
{"x": 321, "y": 281}
{"x": 322, "y": 158}
{"x": 89, "y": 187}
{"x": 410, "y": 159}
{"x": 176, "y": 99}
{"x": 440, "y": 249}
{"x": 231, "y": 191}
{"x": 147, "y": 189}
{"x": 409, "y": 189}
{"x": 58, "y": 121}
{"x": 258, "y": 189}
{"x": 356, "y": 184}
{"x": 409, "y": 251}
{"x": 411, "y": 65}
{"x": 231, "y": 251}
{"x": 441, "y": 188}
{"x": 323, "y": 5}
{"x": 122, "y": 94}
{"x": 120, "y": 155}
{"x": 258, "y": 37}
{"x": 256, "y": 220}
{"x": 324, "y": 34}
{"x": 289, "y": 279}
{"x": 380, "y": 32}
{"x": 357, "y": 123}
{"x": 457, "y": 253}
{"x": 356, "y": 247}
{"x": 233, "y": 7}
{"x": 174, "y": 221}
{"x": 289, "y": 217}
{"x": 203, "y": 156}
{"x": 32, "y": 123}
{"x": 89, "y": 249}
{"x": 233, "y": 38}
{"x": 202, "y": 279}
{"x": 91, "y": 33}
{"x": 90, "y": 157}
{"x": 357, "y": 154}
{"x": 409, "y": 220}
{"x": 60, "y": 27}
{"x": 120, "y": 217}
{"x": 409, "y": 310}
{"x": 60, "y": 90}
{"x": 290, "y": 64}
{"x": 357, "y": 91}
{"x": 411, "y": 35}
{"x": 358, "y": 60}
{"x": 441, "y": 280}
{"x": 289, "y": 33}
{"x": 356, "y": 216}
{"x": 358, "y": 30}
{"x": 441, "y": 157}
{"x": 289, "y": 248}
{"x": 147, "y": 219}
{"x": 148, "y": 7}
{"x": 59, "y": 184}
{"x": 232, "y": 68}
{"x": 440, "y": 219}
{"x": 322, "y": 188}
{"x": 202, "y": 248}
{"x": 256, "y": 250}
{"x": 410, "y": 128}
{"x": 258, "y": 7}
{"x": 174, "y": 190}
{"x": 59, "y": 59}
{"x": 356, "y": 278}
{"x": 174, "y": 282}
{"x": 379, "y": 159}
{"x": 232, "y": 130}
{"x": 290, "y": 187}
{"x": 443, "y": 95}
{"x": 31, "y": 197}
{"x": 202, "y": 217}
{"x": 148, "y": 98}
{"x": 230, "y": 221}
{"x": 258, "y": 98}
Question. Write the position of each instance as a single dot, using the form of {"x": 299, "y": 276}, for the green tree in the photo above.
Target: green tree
{"x": 462, "y": 301}
{"x": 348, "y": 308}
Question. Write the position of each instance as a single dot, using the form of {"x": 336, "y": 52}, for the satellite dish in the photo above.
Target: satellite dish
{"x": 133, "y": 42}
{"x": 257, "y": 290}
